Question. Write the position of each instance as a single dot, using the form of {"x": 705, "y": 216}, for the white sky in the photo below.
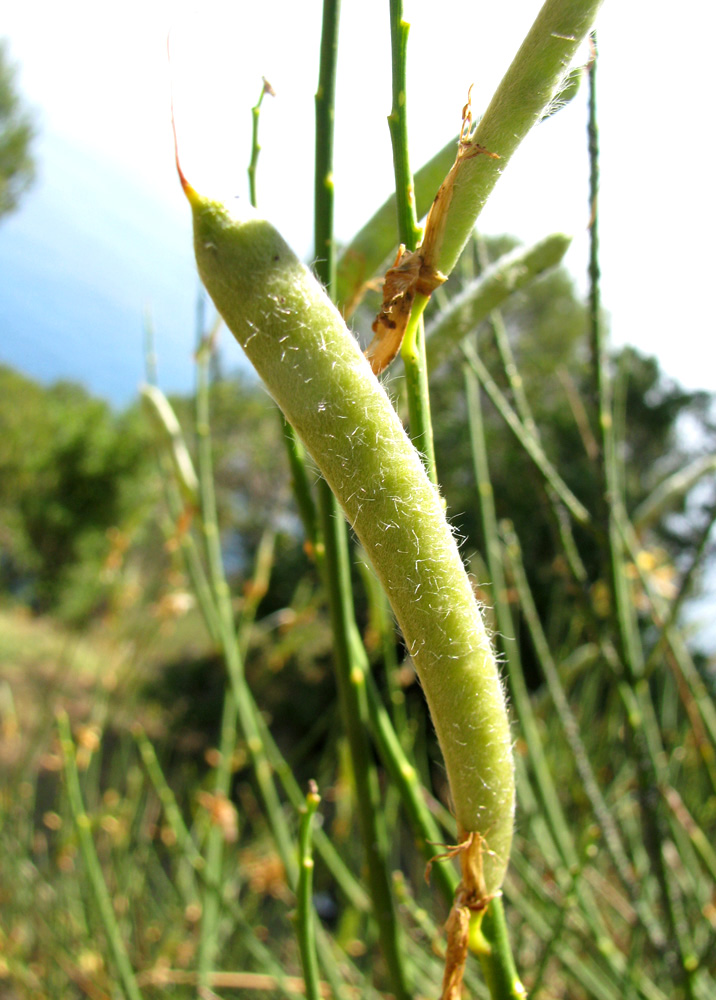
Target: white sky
{"x": 98, "y": 74}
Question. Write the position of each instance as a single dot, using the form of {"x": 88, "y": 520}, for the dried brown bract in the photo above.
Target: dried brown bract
{"x": 467, "y": 148}
{"x": 470, "y": 897}
{"x": 415, "y": 272}
{"x": 408, "y": 277}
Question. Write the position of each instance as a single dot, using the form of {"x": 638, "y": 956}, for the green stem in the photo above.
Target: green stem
{"x": 408, "y": 227}
{"x": 520, "y": 697}
{"x": 165, "y": 418}
{"x": 648, "y": 748}
{"x": 487, "y": 292}
{"x": 187, "y": 847}
{"x": 556, "y": 821}
{"x": 211, "y": 907}
{"x": 351, "y": 681}
{"x": 369, "y": 249}
{"x": 498, "y": 965}
{"x": 382, "y": 624}
{"x": 301, "y": 485}
{"x": 570, "y": 728}
{"x": 245, "y": 706}
{"x": 350, "y": 675}
{"x": 413, "y": 347}
{"x": 530, "y": 444}
{"x": 92, "y": 864}
{"x": 413, "y": 356}
{"x": 524, "y": 411}
{"x": 305, "y": 919}
{"x": 324, "y": 243}
{"x": 694, "y": 695}
{"x": 405, "y": 778}
{"x": 255, "y": 147}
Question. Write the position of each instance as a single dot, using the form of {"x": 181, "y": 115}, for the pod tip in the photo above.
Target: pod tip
{"x": 188, "y": 190}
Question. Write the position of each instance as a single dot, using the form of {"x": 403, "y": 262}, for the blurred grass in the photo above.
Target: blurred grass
{"x": 52, "y": 942}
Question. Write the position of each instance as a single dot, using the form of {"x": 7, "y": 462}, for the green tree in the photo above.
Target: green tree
{"x": 17, "y": 167}
{"x": 73, "y": 475}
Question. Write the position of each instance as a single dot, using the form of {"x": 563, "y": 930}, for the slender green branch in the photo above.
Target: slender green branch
{"x": 498, "y": 965}
{"x": 294, "y": 448}
{"x": 305, "y": 919}
{"x": 212, "y": 902}
{"x": 350, "y": 675}
{"x": 405, "y": 778}
{"x": 408, "y": 228}
{"x": 671, "y": 491}
{"x": 92, "y": 864}
{"x": 182, "y": 835}
{"x": 612, "y": 837}
{"x": 255, "y": 147}
{"x": 164, "y": 416}
{"x": 245, "y": 705}
{"x": 370, "y": 248}
{"x": 412, "y": 353}
{"x": 382, "y": 624}
{"x": 301, "y": 486}
{"x": 556, "y": 822}
{"x": 185, "y": 844}
{"x": 524, "y": 411}
{"x": 694, "y": 695}
{"x": 351, "y": 681}
{"x": 324, "y": 242}
{"x": 553, "y": 813}
{"x": 165, "y": 420}
{"x": 648, "y": 748}
{"x": 262, "y": 740}
{"x": 487, "y": 292}
{"x": 533, "y": 448}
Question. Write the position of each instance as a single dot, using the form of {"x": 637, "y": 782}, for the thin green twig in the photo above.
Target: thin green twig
{"x": 245, "y": 705}
{"x": 189, "y": 851}
{"x": 325, "y": 101}
{"x": 255, "y": 147}
{"x": 92, "y": 864}
{"x": 531, "y": 446}
{"x": 553, "y": 812}
{"x": 517, "y": 387}
{"x": 211, "y": 906}
{"x": 488, "y": 291}
{"x": 570, "y": 726}
{"x": 413, "y": 348}
{"x": 647, "y": 744}
{"x": 350, "y": 674}
{"x": 305, "y": 917}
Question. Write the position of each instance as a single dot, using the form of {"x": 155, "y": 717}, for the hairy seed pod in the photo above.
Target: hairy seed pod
{"x": 314, "y": 369}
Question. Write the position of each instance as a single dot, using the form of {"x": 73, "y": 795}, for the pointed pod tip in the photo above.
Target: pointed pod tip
{"x": 192, "y": 196}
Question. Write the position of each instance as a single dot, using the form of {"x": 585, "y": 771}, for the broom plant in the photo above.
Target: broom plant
{"x": 604, "y": 887}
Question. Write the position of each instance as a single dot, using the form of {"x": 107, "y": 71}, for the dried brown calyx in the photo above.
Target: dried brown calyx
{"x": 414, "y": 273}
{"x": 471, "y": 897}
{"x": 409, "y": 276}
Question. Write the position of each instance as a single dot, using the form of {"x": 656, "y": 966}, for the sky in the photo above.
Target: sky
{"x": 105, "y": 236}
{"x": 99, "y": 79}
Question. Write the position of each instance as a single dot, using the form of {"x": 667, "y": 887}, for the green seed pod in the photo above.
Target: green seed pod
{"x": 314, "y": 369}
{"x": 535, "y": 76}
